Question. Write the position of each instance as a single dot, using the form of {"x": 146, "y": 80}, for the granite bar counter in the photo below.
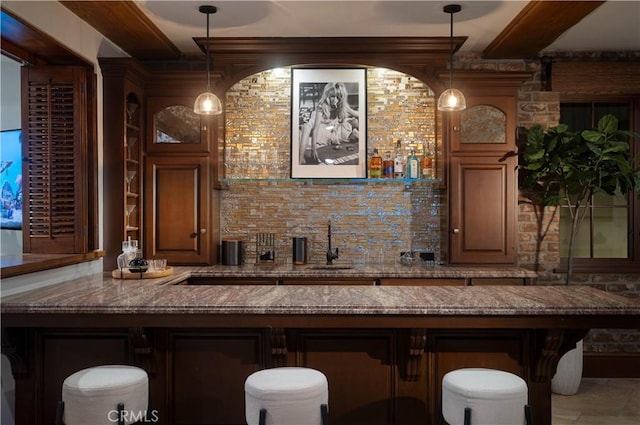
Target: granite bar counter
{"x": 384, "y": 348}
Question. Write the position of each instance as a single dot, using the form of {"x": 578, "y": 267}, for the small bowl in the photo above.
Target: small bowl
{"x": 138, "y": 265}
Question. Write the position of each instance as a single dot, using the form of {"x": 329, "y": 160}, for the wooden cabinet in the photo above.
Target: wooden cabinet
{"x": 181, "y": 173}
{"x": 230, "y": 281}
{"x": 177, "y": 205}
{"x": 328, "y": 281}
{"x": 482, "y": 180}
{"x": 123, "y": 82}
{"x": 423, "y": 282}
{"x": 479, "y": 281}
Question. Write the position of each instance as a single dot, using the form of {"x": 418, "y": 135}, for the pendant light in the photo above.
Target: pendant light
{"x": 451, "y": 99}
{"x": 207, "y": 103}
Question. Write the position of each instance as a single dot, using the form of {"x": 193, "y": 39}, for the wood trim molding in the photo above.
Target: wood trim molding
{"x": 546, "y": 19}
{"x": 236, "y": 57}
{"x": 122, "y": 22}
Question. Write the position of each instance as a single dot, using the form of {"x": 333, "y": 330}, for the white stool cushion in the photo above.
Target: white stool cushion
{"x": 291, "y": 396}
{"x": 494, "y": 396}
{"x": 91, "y": 396}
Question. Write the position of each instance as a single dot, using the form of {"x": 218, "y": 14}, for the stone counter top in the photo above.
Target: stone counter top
{"x": 99, "y": 294}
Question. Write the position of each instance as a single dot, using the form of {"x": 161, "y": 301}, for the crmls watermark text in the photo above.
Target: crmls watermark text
{"x": 142, "y": 416}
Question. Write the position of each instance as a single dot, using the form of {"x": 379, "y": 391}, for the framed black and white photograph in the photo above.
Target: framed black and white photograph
{"x": 328, "y": 123}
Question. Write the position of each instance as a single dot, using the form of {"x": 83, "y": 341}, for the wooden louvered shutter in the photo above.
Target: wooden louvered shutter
{"x": 54, "y": 122}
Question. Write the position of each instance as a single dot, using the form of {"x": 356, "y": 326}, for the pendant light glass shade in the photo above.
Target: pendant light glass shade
{"x": 207, "y": 103}
{"x": 451, "y": 99}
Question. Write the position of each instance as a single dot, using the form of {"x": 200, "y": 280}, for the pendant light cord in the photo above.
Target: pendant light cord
{"x": 208, "y": 56}
{"x": 451, "y": 53}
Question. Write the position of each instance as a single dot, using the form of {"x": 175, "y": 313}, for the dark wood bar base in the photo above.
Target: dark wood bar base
{"x": 376, "y": 376}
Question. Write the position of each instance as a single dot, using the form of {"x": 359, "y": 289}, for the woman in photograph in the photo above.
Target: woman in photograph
{"x": 332, "y": 122}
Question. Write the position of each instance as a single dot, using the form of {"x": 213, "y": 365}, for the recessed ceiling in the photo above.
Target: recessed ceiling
{"x": 613, "y": 26}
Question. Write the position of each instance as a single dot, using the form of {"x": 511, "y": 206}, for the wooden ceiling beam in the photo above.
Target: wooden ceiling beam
{"x": 122, "y": 22}
{"x": 25, "y": 43}
{"x": 538, "y": 25}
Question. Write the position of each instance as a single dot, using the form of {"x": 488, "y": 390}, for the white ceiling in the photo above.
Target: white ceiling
{"x": 614, "y": 26}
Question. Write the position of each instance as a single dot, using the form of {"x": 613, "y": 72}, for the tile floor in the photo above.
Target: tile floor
{"x": 599, "y": 402}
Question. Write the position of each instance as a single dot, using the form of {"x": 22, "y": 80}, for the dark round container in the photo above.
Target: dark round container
{"x": 299, "y": 250}
{"x": 231, "y": 252}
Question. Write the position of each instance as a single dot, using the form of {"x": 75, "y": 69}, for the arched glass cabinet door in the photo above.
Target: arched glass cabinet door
{"x": 486, "y": 125}
{"x": 482, "y": 124}
{"x": 172, "y": 126}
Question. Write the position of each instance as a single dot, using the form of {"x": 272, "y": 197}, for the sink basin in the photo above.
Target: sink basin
{"x": 330, "y": 267}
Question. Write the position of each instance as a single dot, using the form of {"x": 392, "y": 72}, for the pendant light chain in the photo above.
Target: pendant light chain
{"x": 209, "y": 56}
{"x": 208, "y": 103}
{"x": 451, "y": 52}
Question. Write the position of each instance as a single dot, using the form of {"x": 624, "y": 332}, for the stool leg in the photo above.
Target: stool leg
{"x": 59, "y": 411}
{"x": 120, "y": 413}
{"x": 467, "y": 416}
{"x": 149, "y": 407}
{"x": 263, "y": 417}
{"x": 527, "y": 414}
{"x": 324, "y": 414}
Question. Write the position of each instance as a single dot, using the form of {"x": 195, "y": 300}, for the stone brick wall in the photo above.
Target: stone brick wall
{"x": 372, "y": 221}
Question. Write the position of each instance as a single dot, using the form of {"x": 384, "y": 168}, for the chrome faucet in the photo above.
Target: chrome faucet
{"x": 330, "y": 254}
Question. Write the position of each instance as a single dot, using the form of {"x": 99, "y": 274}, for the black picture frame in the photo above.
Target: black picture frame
{"x": 328, "y": 123}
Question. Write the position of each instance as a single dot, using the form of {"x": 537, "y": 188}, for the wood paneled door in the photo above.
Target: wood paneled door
{"x": 177, "y": 209}
{"x": 483, "y": 210}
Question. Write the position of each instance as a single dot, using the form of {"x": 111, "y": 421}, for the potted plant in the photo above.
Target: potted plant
{"x": 563, "y": 167}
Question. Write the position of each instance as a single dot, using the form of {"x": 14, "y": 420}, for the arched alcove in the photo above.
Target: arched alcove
{"x": 258, "y": 120}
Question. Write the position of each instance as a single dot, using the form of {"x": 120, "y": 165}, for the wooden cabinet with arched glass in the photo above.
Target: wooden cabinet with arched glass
{"x": 483, "y": 195}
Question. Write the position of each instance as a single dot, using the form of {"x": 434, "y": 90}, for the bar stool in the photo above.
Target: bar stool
{"x": 481, "y": 396}
{"x": 287, "y": 396}
{"x": 106, "y": 395}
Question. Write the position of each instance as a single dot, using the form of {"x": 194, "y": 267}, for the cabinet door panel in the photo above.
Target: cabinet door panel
{"x": 502, "y": 350}
{"x": 66, "y": 352}
{"x": 177, "y": 206}
{"x": 483, "y": 210}
{"x": 353, "y": 360}
{"x": 207, "y": 374}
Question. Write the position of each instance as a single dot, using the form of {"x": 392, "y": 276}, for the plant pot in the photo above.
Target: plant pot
{"x": 569, "y": 372}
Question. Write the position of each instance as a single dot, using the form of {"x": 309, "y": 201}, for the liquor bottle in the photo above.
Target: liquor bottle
{"x": 387, "y": 166}
{"x": 426, "y": 164}
{"x": 413, "y": 166}
{"x": 375, "y": 165}
{"x": 398, "y": 162}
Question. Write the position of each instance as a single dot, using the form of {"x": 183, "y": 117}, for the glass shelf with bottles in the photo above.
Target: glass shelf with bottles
{"x": 341, "y": 180}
